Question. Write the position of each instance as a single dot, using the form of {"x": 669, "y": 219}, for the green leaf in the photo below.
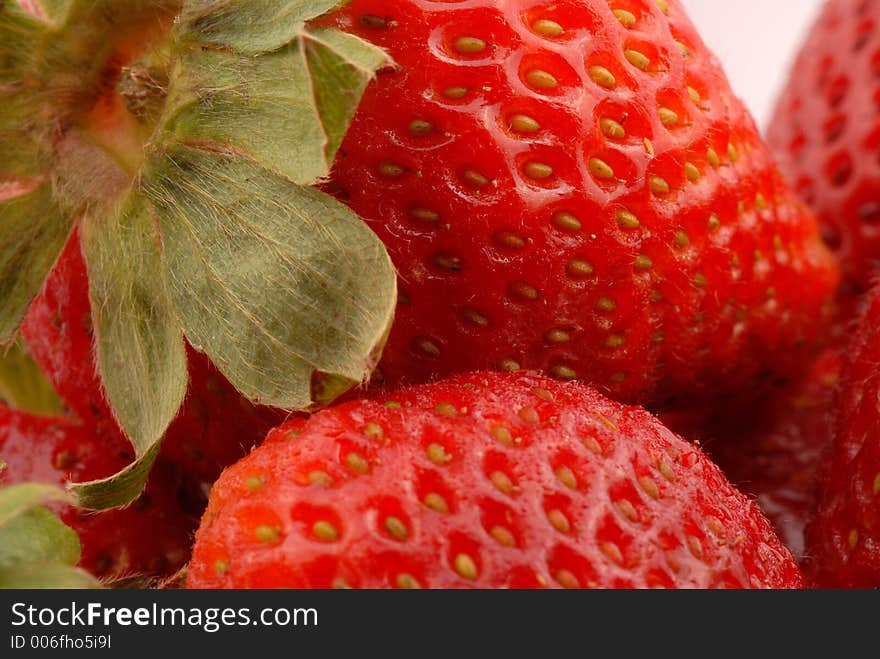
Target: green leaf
{"x": 288, "y": 110}
{"x": 141, "y": 353}
{"x": 46, "y": 575}
{"x": 117, "y": 490}
{"x": 340, "y": 65}
{"x": 53, "y": 12}
{"x": 277, "y": 283}
{"x": 37, "y": 550}
{"x": 249, "y": 26}
{"x": 33, "y": 231}
{"x": 17, "y": 499}
{"x": 37, "y": 536}
{"x": 23, "y": 385}
{"x": 22, "y": 97}
{"x": 19, "y": 34}
{"x": 57, "y": 12}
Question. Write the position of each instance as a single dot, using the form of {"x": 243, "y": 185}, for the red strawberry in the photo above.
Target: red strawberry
{"x": 843, "y": 540}
{"x": 773, "y": 450}
{"x": 58, "y": 331}
{"x": 151, "y": 537}
{"x": 827, "y": 133}
{"x": 573, "y": 187}
{"x": 215, "y": 427}
{"x": 484, "y": 480}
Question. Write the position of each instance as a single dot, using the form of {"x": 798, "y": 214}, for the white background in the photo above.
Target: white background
{"x": 755, "y": 41}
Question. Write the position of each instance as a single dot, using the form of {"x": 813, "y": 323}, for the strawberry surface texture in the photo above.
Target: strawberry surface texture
{"x": 484, "y": 480}
{"x": 572, "y": 186}
{"x": 152, "y": 537}
{"x": 843, "y": 541}
{"x": 775, "y": 449}
{"x": 827, "y": 134}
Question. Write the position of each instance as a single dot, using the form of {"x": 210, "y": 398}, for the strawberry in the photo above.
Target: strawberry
{"x": 484, "y": 480}
{"x": 573, "y": 187}
{"x": 152, "y": 537}
{"x": 59, "y": 335}
{"x": 826, "y": 134}
{"x": 773, "y": 450}
{"x": 843, "y": 540}
{"x": 215, "y": 426}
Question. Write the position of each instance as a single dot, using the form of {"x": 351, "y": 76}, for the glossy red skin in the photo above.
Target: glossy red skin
{"x": 774, "y": 450}
{"x": 59, "y": 334}
{"x": 843, "y": 540}
{"x": 826, "y": 133}
{"x": 691, "y": 322}
{"x": 150, "y": 538}
{"x": 215, "y": 426}
{"x": 626, "y": 524}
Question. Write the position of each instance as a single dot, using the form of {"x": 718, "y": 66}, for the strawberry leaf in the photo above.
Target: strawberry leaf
{"x": 37, "y": 550}
{"x": 141, "y": 354}
{"x": 340, "y": 65}
{"x": 276, "y": 283}
{"x": 119, "y": 489}
{"x": 19, "y": 32}
{"x": 37, "y": 535}
{"x": 33, "y": 231}
{"x": 45, "y": 575}
{"x": 23, "y": 385}
{"x": 288, "y": 110}
{"x": 57, "y": 12}
{"x": 32, "y": 226}
{"x": 249, "y": 26}
{"x": 17, "y": 499}
{"x": 54, "y": 12}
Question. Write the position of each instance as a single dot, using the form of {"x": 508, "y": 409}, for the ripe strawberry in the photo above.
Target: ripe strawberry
{"x": 214, "y": 428}
{"x": 483, "y": 480}
{"x": 151, "y": 537}
{"x": 827, "y": 135}
{"x": 59, "y": 335}
{"x": 773, "y": 451}
{"x": 843, "y": 540}
{"x": 573, "y": 187}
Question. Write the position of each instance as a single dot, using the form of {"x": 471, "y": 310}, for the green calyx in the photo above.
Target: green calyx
{"x": 37, "y": 550}
{"x": 23, "y": 385}
{"x": 183, "y": 138}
